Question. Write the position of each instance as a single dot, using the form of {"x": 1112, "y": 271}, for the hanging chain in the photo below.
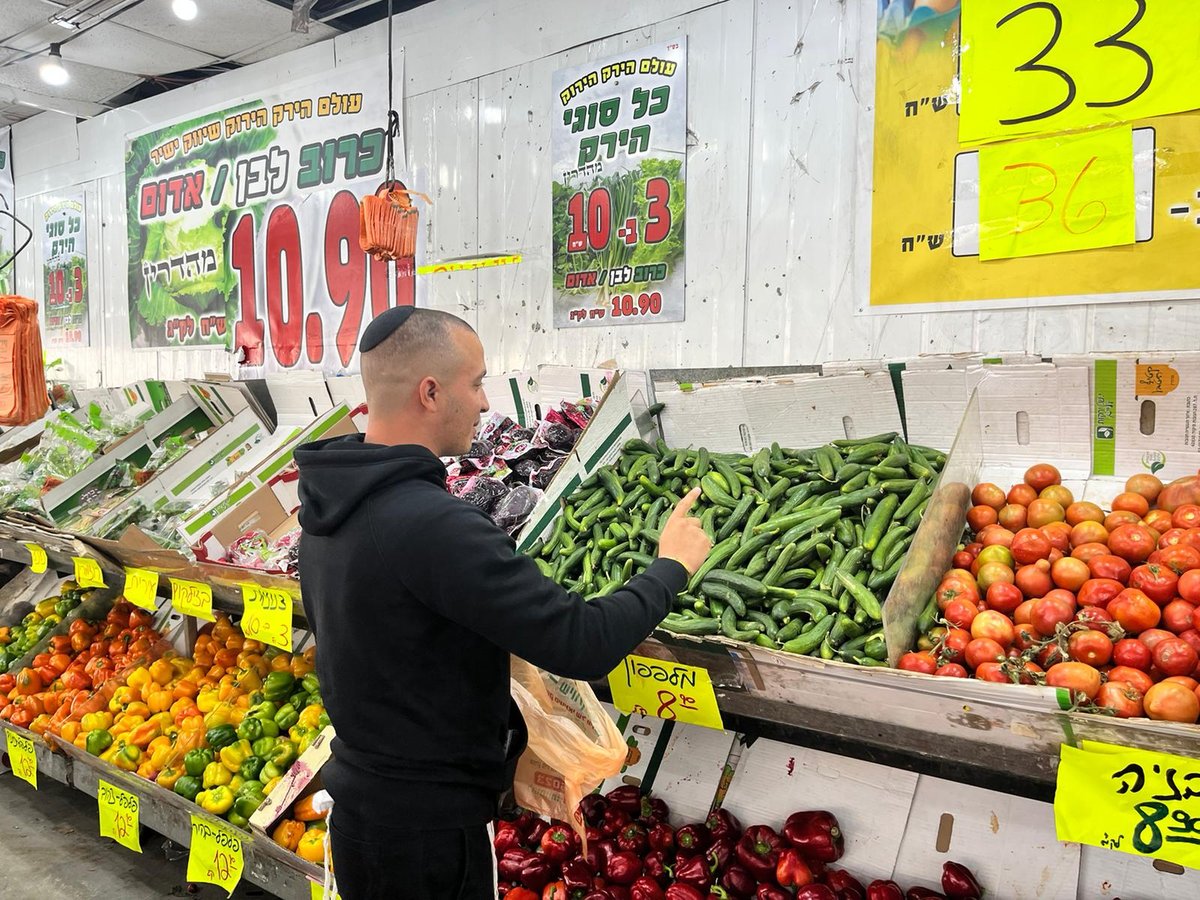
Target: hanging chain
{"x": 393, "y": 123}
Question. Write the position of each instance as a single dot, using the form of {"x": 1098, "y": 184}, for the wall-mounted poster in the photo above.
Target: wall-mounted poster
{"x": 65, "y": 270}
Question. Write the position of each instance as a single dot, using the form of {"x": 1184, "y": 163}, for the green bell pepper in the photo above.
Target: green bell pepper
{"x": 298, "y": 700}
{"x": 250, "y": 768}
{"x": 195, "y": 761}
{"x": 271, "y": 771}
{"x": 284, "y": 753}
{"x": 263, "y": 747}
{"x": 221, "y": 736}
{"x": 251, "y": 786}
{"x": 62, "y": 607}
{"x": 188, "y": 787}
{"x": 250, "y": 729}
{"x": 310, "y": 683}
{"x": 264, "y": 710}
{"x": 287, "y": 716}
{"x": 270, "y": 729}
{"x": 233, "y": 818}
{"x": 246, "y": 804}
{"x": 278, "y": 685}
{"x": 98, "y": 740}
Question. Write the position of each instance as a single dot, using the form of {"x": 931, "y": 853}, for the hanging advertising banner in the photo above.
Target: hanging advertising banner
{"x": 244, "y": 224}
{"x": 1033, "y": 154}
{"x": 65, "y": 271}
{"x": 8, "y": 204}
{"x": 619, "y": 143}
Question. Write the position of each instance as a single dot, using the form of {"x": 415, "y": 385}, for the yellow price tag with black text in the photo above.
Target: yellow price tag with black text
{"x": 88, "y": 573}
{"x": 317, "y": 891}
{"x": 666, "y": 690}
{"x": 1135, "y": 801}
{"x": 141, "y": 588}
{"x": 119, "y": 815}
{"x": 21, "y": 758}
{"x": 192, "y": 598}
{"x": 1061, "y": 65}
{"x": 268, "y": 615}
{"x": 215, "y": 856}
{"x": 37, "y": 561}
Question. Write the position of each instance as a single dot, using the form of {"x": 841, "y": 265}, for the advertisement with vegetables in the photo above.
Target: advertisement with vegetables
{"x": 619, "y": 149}
{"x": 243, "y": 225}
{"x": 65, "y": 270}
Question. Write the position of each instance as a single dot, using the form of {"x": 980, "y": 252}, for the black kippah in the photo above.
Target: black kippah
{"x": 379, "y": 330}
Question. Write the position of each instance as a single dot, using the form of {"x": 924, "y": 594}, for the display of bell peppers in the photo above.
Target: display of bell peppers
{"x": 216, "y": 775}
{"x": 816, "y": 834}
{"x": 233, "y": 755}
{"x": 195, "y": 761}
{"x": 278, "y": 686}
{"x": 216, "y": 800}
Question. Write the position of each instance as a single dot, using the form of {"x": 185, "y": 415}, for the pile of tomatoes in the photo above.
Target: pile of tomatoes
{"x": 1058, "y": 592}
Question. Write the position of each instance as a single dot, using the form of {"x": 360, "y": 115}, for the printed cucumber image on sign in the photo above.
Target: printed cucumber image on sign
{"x": 619, "y": 192}
{"x": 243, "y": 225}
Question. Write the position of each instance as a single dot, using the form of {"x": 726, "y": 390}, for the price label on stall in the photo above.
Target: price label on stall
{"x": 666, "y": 690}
{"x": 316, "y": 891}
{"x": 215, "y": 856}
{"x": 141, "y": 588}
{"x": 192, "y": 598}
{"x": 37, "y": 558}
{"x": 1135, "y": 801}
{"x": 119, "y": 815}
{"x": 87, "y": 572}
{"x": 22, "y": 758}
{"x": 268, "y": 615}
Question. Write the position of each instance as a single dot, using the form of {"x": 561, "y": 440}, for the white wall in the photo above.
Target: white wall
{"x": 772, "y": 271}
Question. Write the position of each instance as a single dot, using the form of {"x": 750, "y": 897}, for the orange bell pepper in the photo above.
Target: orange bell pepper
{"x": 161, "y": 672}
{"x": 185, "y": 689}
{"x": 125, "y": 724}
{"x": 142, "y": 735}
{"x": 160, "y": 701}
{"x": 287, "y": 834}
{"x": 40, "y": 724}
{"x": 137, "y": 708}
{"x": 69, "y": 732}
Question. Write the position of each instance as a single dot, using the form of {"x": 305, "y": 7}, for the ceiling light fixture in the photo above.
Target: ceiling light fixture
{"x": 65, "y": 23}
{"x": 184, "y": 9}
{"x": 52, "y": 70}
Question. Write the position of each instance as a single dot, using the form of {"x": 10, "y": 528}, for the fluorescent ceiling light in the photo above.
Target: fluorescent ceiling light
{"x": 52, "y": 70}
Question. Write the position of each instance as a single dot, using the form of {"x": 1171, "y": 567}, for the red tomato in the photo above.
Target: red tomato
{"x": 1186, "y": 680}
{"x": 1123, "y": 699}
{"x": 1132, "y": 653}
{"x": 1034, "y": 581}
{"x": 951, "y": 670}
{"x": 1041, "y": 476}
{"x": 1175, "y": 657}
{"x": 980, "y": 517}
{"x": 1186, "y": 516}
{"x": 1170, "y": 702}
{"x": 1191, "y": 537}
{"x": 1098, "y": 592}
{"x": 1024, "y": 613}
{"x": 1156, "y": 582}
{"x": 1028, "y": 672}
{"x": 1004, "y": 597}
{"x": 1117, "y": 518}
{"x": 1158, "y": 519}
{"x": 1050, "y": 612}
{"x": 1189, "y": 586}
{"x": 1064, "y": 595}
{"x": 1013, "y": 517}
{"x": 994, "y": 625}
{"x": 1022, "y": 495}
{"x": 960, "y": 613}
{"x": 1192, "y": 636}
{"x": 992, "y": 671}
{"x": 988, "y": 494}
{"x": 1095, "y": 618}
{"x": 1133, "y": 543}
{"x": 958, "y": 584}
{"x": 1134, "y": 503}
{"x": 954, "y": 645}
{"x": 1029, "y": 545}
{"x": 1088, "y": 552}
{"x": 1083, "y": 511}
{"x": 1070, "y": 573}
{"x": 1179, "y": 558}
{"x": 1077, "y": 677}
{"x": 995, "y": 534}
{"x": 1110, "y": 567}
{"x": 1134, "y": 611}
{"x": 1172, "y": 537}
{"x": 1059, "y": 535}
{"x": 1152, "y": 637}
{"x": 963, "y": 559}
{"x": 1135, "y": 677}
{"x": 1088, "y": 533}
{"x": 1090, "y": 647}
{"x": 922, "y": 661}
{"x": 1177, "y": 616}
{"x": 1025, "y": 636}
{"x": 982, "y": 650}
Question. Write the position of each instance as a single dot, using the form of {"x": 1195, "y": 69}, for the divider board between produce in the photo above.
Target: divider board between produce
{"x": 1007, "y": 841}
{"x": 515, "y": 394}
{"x": 1112, "y": 875}
{"x": 794, "y": 411}
{"x": 294, "y": 783}
{"x": 299, "y": 397}
{"x": 871, "y": 802}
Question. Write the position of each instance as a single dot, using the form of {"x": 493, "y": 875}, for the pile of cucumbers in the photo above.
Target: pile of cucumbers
{"x": 806, "y": 542}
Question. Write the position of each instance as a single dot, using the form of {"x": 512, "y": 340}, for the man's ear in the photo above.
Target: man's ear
{"x": 428, "y": 392}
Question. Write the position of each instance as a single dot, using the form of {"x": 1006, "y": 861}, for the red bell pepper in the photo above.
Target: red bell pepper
{"x": 841, "y": 880}
{"x": 626, "y": 798}
{"x": 852, "y": 894}
{"x": 816, "y": 834}
{"x": 692, "y": 840}
{"x": 599, "y": 894}
{"x": 507, "y": 838}
{"x": 536, "y": 830}
{"x": 770, "y": 892}
{"x": 739, "y": 882}
{"x": 884, "y": 890}
{"x": 655, "y": 865}
{"x": 597, "y": 855}
{"x": 537, "y": 874}
{"x": 618, "y": 891}
{"x": 653, "y": 811}
{"x": 592, "y": 809}
{"x": 693, "y": 870}
{"x": 592, "y": 833}
{"x": 724, "y": 824}
{"x": 758, "y": 851}
{"x": 559, "y": 843}
{"x": 623, "y": 867}
{"x": 555, "y": 890}
{"x": 815, "y": 892}
{"x": 958, "y": 882}
{"x": 615, "y": 821}
{"x": 661, "y": 837}
{"x": 791, "y": 871}
{"x": 511, "y": 863}
{"x": 645, "y": 889}
{"x": 923, "y": 893}
{"x": 520, "y": 893}
{"x": 577, "y": 875}
{"x": 720, "y": 855}
{"x": 687, "y": 892}
{"x": 633, "y": 838}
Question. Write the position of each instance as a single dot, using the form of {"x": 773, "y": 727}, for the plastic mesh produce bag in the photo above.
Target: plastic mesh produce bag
{"x": 573, "y": 744}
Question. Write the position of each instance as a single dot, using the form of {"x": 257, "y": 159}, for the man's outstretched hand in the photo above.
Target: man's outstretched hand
{"x": 683, "y": 539}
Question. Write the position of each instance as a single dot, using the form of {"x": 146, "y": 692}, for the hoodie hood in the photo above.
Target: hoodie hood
{"x": 338, "y": 474}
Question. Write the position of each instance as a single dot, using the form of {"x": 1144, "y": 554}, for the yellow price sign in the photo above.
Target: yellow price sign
{"x": 37, "y": 558}
{"x": 141, "y": 588}
{"x": 88, "y": 573}
{"x": 666, "y": 690}
{"x": 268, "y": 615}
{"x": 1057, "y": 194}
{"x": 21, "y": 758}
{"x": 119, "y": 815}
{"x": 1057, "y": 65}
{"x": 1135, "y": 801}
{"x": 316, "y": 891}
{"x": 192, "y": 598}
{"x": 215, "y": 856}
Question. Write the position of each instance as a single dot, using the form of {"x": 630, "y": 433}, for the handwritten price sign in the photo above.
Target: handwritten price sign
{"x": 22, "y": 758}
{"x": 317, "y": 892}
{"x": 1056, "y": 65}
{"x": 1053, "y": 195}
{"x": 1134, "y": 801}
{"x": 88, "y": 573}
{"x": 268, "y": 616}
{"x": 37, "y": 558}
{"x": 666, "y": 690}
{"x": 215, "y": 856}
{"x": 192, "y": 598}
{"x": 119, "y": 815}
{"x": 141, "y": 588}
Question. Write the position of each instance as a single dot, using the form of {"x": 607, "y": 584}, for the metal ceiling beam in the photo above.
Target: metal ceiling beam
{"x": 80, "y": 109}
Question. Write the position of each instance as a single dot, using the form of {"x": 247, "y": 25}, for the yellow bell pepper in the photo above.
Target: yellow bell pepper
{"x": 163, "y": 720}
{"x": 161, "y": 750}
{"x": 219, "y": 716}
{"x": 237, "y": 715}
{"x": 168, "y": 776}
{"x": 207, "y": 700}
{"x": 218, "y": 800}
{"x": 235, "y": 754}
{"x": 97, "y": 720}
{"x": 269, "y": 786}
{"x": 216, "y": 775}
{"x": 125, "y": 724}
{"x": 248, "y": 679}
{"x": 122, "y": 697}
{"x": 69, "y": 732}
{"x": 127, "y": 757}
{"x": 180, "y": 705}
{"x": 236, "y": 782}
{"x": 138, "y": 679}
{"x": 146, "y": 770}
{"x": 182, "y": 665}
{"x": 161, "y": 672}
{"x": 312, "y": 845}
{"x": 138, "y": 708}
{"x": 311, "y": 716}
{"x": 160, "y": 701}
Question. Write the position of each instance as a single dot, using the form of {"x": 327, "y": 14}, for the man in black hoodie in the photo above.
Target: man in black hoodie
{"x": 417, "y": 599}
